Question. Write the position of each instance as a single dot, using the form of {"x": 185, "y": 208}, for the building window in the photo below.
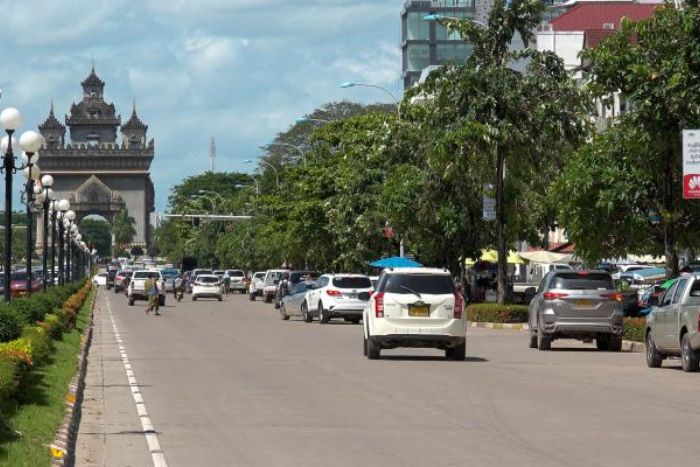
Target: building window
{"x": 417, "y": 28}
{"x": 453, "y": 53}
{"x": 441, "y": 33}
{"x": 418, "y": 57}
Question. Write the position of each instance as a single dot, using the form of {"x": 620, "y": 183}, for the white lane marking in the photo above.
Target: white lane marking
{"x": 157, "y": 455}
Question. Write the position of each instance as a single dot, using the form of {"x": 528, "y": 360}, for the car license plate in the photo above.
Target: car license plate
{"x": 583, "y": 303}
{"x": 419, "y": 311}
{"x": 351, "y": 296}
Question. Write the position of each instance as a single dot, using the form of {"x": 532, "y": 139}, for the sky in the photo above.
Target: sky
{"x": 238, "y": 70}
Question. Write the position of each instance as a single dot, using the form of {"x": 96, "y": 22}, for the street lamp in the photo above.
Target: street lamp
{"x": 294, "y": 146}
{"x": 350, "y": 84}
{"x": 68, "y": 219}
{"x": 63, "y": 207}
{"x": 438, "y": 17}
{"x": 31, "y": 173}
{"x": 277, "y": 175}
{"x": 305, "y": 119}
{"x": 47, "y": 198}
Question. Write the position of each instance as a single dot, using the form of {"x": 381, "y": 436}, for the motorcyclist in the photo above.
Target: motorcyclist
{"x": 179, "y": 288}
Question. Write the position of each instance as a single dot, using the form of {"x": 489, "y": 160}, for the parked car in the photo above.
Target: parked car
{"x": 337, "y": 295}
{"x": 100, "y": 279}
{"x": 121, "y": 280}
{"x": 290, "y": 304}
{"x": 112, "y": 271}
{"x": 416, "y": 307}
{"x": 193, "y": 276}
{"x": 219, "y": 273}
{"x": 291, "y": 279}
{"x": 237, "y": 280}
{"x": 672, "y": 327}
{"x": 137, "y": 286}
{"x": 207, "y": 286}
{"x": 272, "y": 278}
{"x": 18, "y": 284}
{"x": 580, "y": 305}
{"x": 257, "y": 284}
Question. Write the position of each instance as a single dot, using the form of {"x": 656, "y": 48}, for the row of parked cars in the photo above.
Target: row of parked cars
{"x": 403, "y": 307}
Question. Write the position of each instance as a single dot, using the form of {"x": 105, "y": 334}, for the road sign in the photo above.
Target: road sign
{"x": 691, "y": 164}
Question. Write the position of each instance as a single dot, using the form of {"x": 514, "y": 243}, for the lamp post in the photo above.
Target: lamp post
{"x": 63, "y": 207}
{"x": 350, "y": 84}
{"x": 69, "y": 217}
{"x": 31, "y": 174}
{"x": 277, "y": 175}
{"x": 288, "y": 145}
{"x": 315, "y": 120}
{"x": 46, "y": 201}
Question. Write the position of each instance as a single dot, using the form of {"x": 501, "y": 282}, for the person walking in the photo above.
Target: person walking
{"x": 155, "y": 296}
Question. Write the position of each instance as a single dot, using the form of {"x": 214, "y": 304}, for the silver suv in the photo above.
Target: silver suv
{"x": 577, "y": 305}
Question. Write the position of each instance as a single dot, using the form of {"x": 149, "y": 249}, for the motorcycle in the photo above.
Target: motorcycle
{"x": 179, "y": 293}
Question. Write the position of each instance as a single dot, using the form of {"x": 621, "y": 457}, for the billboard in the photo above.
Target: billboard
{"x": 691, "y": 164}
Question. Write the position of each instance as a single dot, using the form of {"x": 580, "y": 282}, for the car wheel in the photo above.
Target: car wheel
{"x": 373, "y": 349}
{"x": 220, "y": 298}
{"x": 116, "y": 290}
{"x": 355, "y": 321}
{"x": 689, "y": 357}
{"x": 544, "y": 342}
{"x": 194, "y": 298}
{"x": 602, "y": 342}
{"x": 458, "y": 353}
{"x": 131, "y": 302}
{"x": 654, "y": 358}
{"x": 305, "y": 315}
{"x": 277, "y": 304}
{"x": 364, "y": 344}
{"x": 323, "y": 316}
{"x": 161, "y": 301}
{"x": 533, "y": 341}
{"x": 251, "y": 297}
{"x": 615, "y": 344}
{"x": 283, "y": 313}
{"x": 268, "y": 299}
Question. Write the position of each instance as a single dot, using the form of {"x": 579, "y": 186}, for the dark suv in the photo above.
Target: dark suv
{"x": 577, "y": 305}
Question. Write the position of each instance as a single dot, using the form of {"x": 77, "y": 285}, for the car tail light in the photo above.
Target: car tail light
{"x": 379, "y": 304}
{"x": 554, "y": 295}
{"x": 459, "y": 305}
{"x": 617, "y": 296}
{"x": 334, "y": 293}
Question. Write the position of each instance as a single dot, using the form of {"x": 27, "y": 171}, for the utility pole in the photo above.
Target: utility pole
{"x": 212, "y": 154}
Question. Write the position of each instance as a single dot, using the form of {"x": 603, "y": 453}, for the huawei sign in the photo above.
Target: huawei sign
{"x": 691, "y": 186}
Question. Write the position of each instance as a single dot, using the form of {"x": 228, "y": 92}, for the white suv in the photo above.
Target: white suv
{"x": 337, "y": 295}
{"x": 257, "y": 284}
{"x": 416, "y": 307}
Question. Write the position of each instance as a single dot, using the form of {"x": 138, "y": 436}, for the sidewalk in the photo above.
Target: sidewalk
{"x": 110, "y": 432}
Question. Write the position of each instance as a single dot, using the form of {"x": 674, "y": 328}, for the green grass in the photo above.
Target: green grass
{"x": 41, "y": 411}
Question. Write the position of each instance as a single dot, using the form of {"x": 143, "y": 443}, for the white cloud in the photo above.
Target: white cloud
{"x": 380, "y": 66}
{"x": 206, "y": 54}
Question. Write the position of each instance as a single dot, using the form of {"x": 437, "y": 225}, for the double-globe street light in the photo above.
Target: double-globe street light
{"x": 46, "y": 199}
{"x": 31, "y": 173}
{"x": 30, "y": 142}
{"x": 57, "y": 233}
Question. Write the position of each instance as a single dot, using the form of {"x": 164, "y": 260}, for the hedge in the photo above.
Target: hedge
{"x": 26, "y": 328}
{"x": 634, "y": 329}
{"x": 496, "y": 313}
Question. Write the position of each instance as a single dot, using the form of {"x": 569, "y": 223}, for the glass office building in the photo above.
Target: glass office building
{"x": 426, "y": 43}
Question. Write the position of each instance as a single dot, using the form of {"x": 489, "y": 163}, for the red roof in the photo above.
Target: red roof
{"x": 587, "y": 16}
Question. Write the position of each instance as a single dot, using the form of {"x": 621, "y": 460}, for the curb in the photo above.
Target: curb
{"x": 63, "y": 447}
{"x": 516, "y": 326}
{"x": 627, "y": 346}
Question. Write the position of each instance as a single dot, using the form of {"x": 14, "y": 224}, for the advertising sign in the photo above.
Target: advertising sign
{"x": 489, "y": 203}
{"x": 691, "y": 164}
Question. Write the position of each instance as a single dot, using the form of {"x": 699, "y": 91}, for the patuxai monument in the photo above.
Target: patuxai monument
{"x": 103, "y": 165}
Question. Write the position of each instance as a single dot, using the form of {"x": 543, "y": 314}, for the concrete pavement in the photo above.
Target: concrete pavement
{"x": 230, "y": 384}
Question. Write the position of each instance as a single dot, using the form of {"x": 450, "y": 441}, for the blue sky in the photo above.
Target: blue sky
{"x": 238, "y": 70}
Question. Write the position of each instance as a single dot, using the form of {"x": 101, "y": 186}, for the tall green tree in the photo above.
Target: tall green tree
{"x": 123, "y": 227}
{"x": 98, "y": 232}
{"x": 623, "y": 193}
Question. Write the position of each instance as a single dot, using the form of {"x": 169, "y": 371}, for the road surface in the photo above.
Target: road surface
{"x": 231, "y": 384}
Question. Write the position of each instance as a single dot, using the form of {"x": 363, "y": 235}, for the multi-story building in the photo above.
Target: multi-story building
{"x": 425, "y": 43}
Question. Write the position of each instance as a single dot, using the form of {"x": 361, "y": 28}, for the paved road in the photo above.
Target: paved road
{"x": 230, "y": 384}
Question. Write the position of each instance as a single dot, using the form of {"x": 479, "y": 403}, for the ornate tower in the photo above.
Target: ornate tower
{"x": 97, "y": 173}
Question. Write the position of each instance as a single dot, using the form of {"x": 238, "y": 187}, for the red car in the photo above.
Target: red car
{"x": 18, "y": 284}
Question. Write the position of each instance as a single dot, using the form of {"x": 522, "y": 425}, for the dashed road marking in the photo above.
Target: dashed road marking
{"x": 149, "y": 430}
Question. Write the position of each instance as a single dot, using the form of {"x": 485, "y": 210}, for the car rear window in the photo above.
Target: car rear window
{"x": 586, "y": 281}
{"x": 144, "y": 275}
{"x": 235, "y": 273}
{"x": 208, "y": 280}
{"x": 431, "y": 284}
{"x": 352, "y": 282}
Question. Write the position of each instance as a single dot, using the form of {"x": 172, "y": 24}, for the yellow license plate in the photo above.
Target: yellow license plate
{"x": 584, "y": 303}
{"x": 419, "y": 311}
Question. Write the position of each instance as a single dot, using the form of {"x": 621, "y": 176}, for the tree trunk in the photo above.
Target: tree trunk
{"x": 669, "y": 222}
{"x": 502, "y": 273}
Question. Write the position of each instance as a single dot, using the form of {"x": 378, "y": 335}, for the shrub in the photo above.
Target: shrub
{"x": 39, "y": 340}
{"x": 634, "y": 329}
{"x": 8, "y": 384}
{"x": 19, "y": 353}
{"x": 28, "y": 309}
{"x": 43, "y": 303}
{"x": 53, "y": 325}
{"x": 11, "y": 323}
{"x": 495, "y": 313}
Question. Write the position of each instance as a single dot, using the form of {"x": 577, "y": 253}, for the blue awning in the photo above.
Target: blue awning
{"x": 396, "y": 262}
